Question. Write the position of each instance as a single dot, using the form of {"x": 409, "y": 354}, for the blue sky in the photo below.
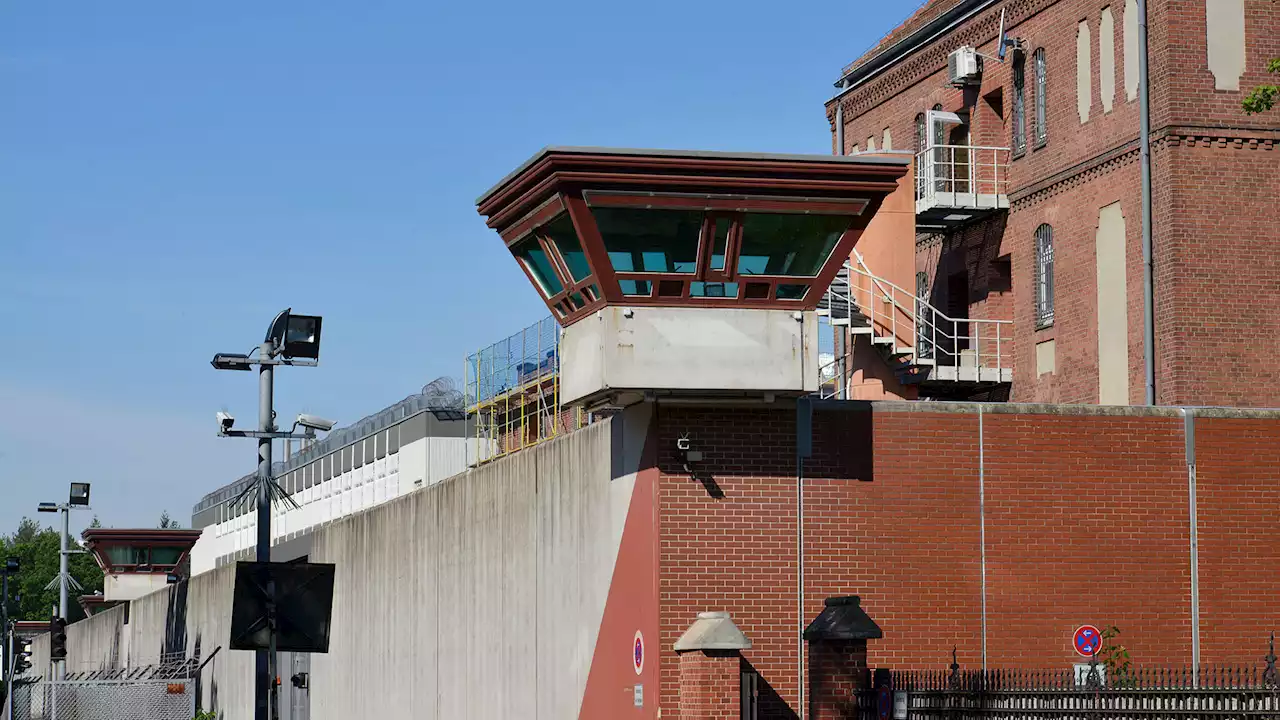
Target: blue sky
{"x": 176, "y": 173}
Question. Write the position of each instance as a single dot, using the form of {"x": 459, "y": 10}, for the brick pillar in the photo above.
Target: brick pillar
{"x": 838, "y": 658}
{"x": 709, "y": 685}
{"x": 837, "y": 671}
{"x": 710, "y": 668}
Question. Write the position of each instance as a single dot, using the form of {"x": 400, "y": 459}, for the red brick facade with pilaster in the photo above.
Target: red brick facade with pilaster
{"x": 1216, "y": 242}
{"x": 1085, "y": 514}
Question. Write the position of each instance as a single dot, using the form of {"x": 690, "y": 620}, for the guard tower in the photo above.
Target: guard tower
{"x": 687, "y": 274}
{"x": 135, "y": 562}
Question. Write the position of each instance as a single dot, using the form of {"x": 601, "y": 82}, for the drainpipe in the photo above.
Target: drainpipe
{"x": 839, "y": 127}
{"x": 804, "y": 448}
{"x": 840, "y": 119}
{"x": 1189, "y": 433}
{"x": 1148, "y": 294}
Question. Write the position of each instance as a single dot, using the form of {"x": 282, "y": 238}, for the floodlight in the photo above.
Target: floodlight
{"x": 79, "y": 494}
{"x": 315, "y": 423}
{"x": 47, "y": 507}
{"x": 12, "y": 565}
{"x": 231, "y": 361}
{"x": 295, "y": 336}
{"x": 225, "y": 421}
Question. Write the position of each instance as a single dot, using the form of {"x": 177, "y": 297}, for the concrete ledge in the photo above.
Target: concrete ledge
{"x": 921, "y": 406}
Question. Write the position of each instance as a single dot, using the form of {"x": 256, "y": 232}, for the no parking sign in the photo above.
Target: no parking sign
{"x": 1087, "y": 640}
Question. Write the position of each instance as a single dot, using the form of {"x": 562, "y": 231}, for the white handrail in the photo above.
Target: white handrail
{"x": 961, "y": 175}
{"x": 895, "y": 313}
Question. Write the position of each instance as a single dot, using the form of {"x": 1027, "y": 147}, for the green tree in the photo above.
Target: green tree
{"x": 96, "y": 522}
{"x": 1263, "y": 97}
{"x": 37, "y": 549}
{"x": 168, "y": 523}
{"x": 1115, "y": 657}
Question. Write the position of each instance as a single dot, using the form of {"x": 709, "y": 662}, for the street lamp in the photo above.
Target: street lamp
{"x": 77, "y": 497}
{"x": 291, "y": 340}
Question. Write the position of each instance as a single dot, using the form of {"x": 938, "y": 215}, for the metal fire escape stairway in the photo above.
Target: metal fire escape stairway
{"x": 949, "y": 356}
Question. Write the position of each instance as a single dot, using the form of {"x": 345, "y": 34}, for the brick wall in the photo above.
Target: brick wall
{"x": 837, "y": 672}
{"x": 709, "y": 685}
{"x": 1086, "y": 521}
{"x": 1218, "y": 268}
{"x": 1213, "y": 329}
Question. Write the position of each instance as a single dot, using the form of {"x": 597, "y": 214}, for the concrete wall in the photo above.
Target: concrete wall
{"x": 694, "y": 349}
{"x": 499, "y": 573}
{"x": 421, "y": 462}
{"x": 127, "y": 586}
{"x": 479, "y": 596}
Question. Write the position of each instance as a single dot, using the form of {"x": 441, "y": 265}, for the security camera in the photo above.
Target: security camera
{"x": 225, "y": 421}
{"x": 312, "y": 422}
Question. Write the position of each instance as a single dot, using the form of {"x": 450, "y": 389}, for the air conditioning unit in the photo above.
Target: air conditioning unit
{"x": 964, "y": 67}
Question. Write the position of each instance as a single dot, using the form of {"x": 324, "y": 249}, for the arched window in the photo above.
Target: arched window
{"x": 1044, "y": 276}
{"x": 1019, "y": 104}
{"x": 938, "y": 131}
{"x": 1042, "y": 111}
{"x": 920, "y": 133}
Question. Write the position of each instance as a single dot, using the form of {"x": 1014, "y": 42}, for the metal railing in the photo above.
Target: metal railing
{"x": 959, "y": 349}
{"x": 962, "y": 176}
{"x": 1086, "y": 692}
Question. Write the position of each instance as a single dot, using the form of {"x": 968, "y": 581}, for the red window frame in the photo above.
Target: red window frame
{"x": 733, "y": 208}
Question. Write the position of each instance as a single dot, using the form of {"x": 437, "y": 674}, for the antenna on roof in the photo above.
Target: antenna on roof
{"x": 1005, "y": 41}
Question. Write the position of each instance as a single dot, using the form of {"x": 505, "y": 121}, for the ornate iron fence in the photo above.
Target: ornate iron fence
{"x": 1085, "y": 693}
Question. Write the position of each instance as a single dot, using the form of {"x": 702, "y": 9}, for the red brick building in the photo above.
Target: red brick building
{"x": 1054, "y": 131}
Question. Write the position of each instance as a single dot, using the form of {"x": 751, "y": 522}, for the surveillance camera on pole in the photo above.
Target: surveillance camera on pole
{"x": 291, "y": 339}
{"x": 311, "y": 422}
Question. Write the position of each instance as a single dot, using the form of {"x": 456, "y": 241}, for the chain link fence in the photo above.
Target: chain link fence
{"x": 124, "y": 699}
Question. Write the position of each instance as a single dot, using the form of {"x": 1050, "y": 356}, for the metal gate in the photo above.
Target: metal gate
{"x": 123, "y": 699}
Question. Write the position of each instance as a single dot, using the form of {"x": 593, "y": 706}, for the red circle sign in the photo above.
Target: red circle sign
{"x": 1087, "y": 640}
{"x": 637, "y": 653}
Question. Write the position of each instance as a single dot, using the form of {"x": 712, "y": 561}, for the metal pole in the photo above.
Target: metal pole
{"x": 1148, "y": 292}
{"x": 264, "y": 685}
{"x": 4, "y": 624}
{"x": 9, "y": 659}
{"x": 62, "y": 562}
{"x": 61, "y": 666}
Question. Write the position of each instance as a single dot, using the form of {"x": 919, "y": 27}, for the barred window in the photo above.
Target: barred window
{"x": 938, "y": 130}
{"x": 920, "y": 133}
{"x": 1019, "y": 105}
{"x": 1044, "y": 276}
{"x": 1042, "y": 111}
